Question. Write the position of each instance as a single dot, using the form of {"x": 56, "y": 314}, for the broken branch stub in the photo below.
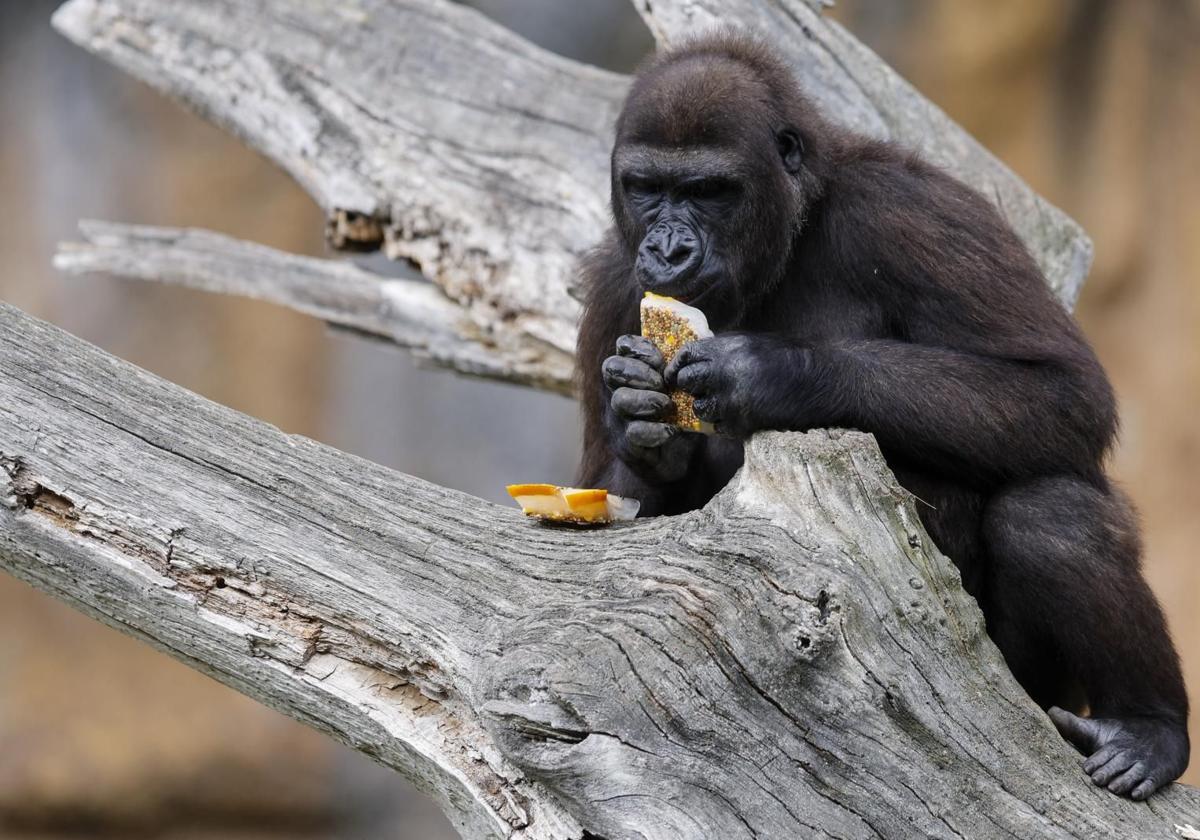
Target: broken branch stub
{"x": 409, "y": 312}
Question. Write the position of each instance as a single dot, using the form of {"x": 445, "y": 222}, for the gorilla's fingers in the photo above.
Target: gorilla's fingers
{"x": 1099, "y": 758}
{"x": 1144, "y": 790}
{"x": 1115, "y": 766}
{"x": 1084, "y": 733}
{"x": 649, "y": 435}
{"x": 622, "y": 371}
{"x": 696, "y": 378}
{"x": 689, "y": 354}
{"x": 640, "y": 348}
{"x": 638, "y": 404}
{"x": 1125, "y": 782}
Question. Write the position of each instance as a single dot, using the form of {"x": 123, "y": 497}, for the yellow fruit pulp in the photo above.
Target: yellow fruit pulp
{"x": 589, "y": 505}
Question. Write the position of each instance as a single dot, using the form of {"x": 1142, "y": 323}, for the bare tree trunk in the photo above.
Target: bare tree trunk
{"x": 794, "y": 660}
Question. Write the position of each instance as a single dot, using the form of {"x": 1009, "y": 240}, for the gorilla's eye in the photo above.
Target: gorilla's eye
{"x": 711, "y": 189}
{"x": 638, "y": 187}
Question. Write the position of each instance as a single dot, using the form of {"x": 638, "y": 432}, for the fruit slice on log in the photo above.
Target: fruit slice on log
{"x": 576, "y": 505}
{"x": 670, "y": 324}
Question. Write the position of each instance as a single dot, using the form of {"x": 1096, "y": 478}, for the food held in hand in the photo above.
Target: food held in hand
{"x": 577, "y": 505}
{"x": 670, "y": 324}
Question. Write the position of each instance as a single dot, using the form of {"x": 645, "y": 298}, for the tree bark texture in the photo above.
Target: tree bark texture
{"x": 794, "y": 660}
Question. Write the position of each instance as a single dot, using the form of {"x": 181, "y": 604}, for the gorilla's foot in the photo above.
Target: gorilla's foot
{"x": 1131, "y": 756}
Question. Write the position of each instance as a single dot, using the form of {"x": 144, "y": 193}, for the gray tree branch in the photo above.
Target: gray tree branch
{"x": 412, "y": 313}
{"x": 794, "y": 660}
{"x": 424, "y": 128}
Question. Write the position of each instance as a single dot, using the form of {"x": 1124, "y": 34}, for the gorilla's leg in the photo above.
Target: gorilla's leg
{"x": 1066, "y": 601}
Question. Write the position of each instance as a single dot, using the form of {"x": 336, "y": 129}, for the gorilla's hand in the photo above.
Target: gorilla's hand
{"x": 658, "y": 452}
{"x": 744, "y": 382}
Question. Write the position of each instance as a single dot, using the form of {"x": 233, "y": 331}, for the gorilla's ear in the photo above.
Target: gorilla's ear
{"x": 791, "y": 149}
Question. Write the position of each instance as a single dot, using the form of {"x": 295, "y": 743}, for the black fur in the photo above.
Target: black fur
{"x": 851, "y": 284}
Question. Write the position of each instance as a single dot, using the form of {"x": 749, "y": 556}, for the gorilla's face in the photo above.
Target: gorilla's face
{"x": 710, "y": 225}
{"x": 684, "y": 211}
{"x": 706, "y": 195}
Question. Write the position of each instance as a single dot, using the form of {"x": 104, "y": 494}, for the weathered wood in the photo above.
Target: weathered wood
{"x": 411, "y": 313}
{"x": 454, "y": 143}
{"x": 424, "y": 128}
{"x": 794, "y": 660}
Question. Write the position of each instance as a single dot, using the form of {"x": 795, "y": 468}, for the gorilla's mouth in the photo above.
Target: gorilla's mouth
{"x": 699, "y": 290}
{"x": 680, "y": 288}
{"x": 687, "y": 291}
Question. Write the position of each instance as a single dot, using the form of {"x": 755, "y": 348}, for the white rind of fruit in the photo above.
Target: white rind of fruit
{"x": 622, "y": 508}
{"x": 694, "y": 318}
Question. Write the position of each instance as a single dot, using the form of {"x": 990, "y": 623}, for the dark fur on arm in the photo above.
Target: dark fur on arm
{"x": 984, "y": 374}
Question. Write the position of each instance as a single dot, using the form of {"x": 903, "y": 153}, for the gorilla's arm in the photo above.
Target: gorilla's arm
{"x": 950, "y": 410}
{"x": 999, "y": 417}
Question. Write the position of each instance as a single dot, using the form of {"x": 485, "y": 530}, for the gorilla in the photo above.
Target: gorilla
{"x": 851, "y": 284}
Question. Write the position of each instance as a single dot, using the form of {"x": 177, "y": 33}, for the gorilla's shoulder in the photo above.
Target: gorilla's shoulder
{"x": 881, "y": 174}
{"x": 888, "y": 189}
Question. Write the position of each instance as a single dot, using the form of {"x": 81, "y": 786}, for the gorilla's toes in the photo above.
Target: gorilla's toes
{"x": 1131, "y": 756}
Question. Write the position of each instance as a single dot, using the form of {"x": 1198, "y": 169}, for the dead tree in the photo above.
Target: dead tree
{"x": 794, "y": 660}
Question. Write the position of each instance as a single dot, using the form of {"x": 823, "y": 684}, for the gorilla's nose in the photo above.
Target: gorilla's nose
{"x": 675, "y": 248}
{"x": 670, "y": 253}
{"x": 671, "y": 244}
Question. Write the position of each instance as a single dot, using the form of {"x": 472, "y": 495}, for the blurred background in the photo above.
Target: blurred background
{"x": 1094, "y": 102}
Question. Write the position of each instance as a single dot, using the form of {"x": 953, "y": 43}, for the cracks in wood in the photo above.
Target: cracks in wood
{"x": 693, "y": 614}
{"x": 29, "y": 495}
{"x": 294, "y": 636}
{"x": 548, "y": 719}
{"x": 423, "y": 237}
{"x": 446, "y": 728}
{"x": 23, "y": 491}
{"x": 401, "y": 686}
{"x": 810, "y": 638}
{"x": 284, "y": 631}
{"x": 174, "y": 534}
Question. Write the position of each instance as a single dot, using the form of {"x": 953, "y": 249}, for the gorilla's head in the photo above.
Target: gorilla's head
{"x": 717, "y": 159}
